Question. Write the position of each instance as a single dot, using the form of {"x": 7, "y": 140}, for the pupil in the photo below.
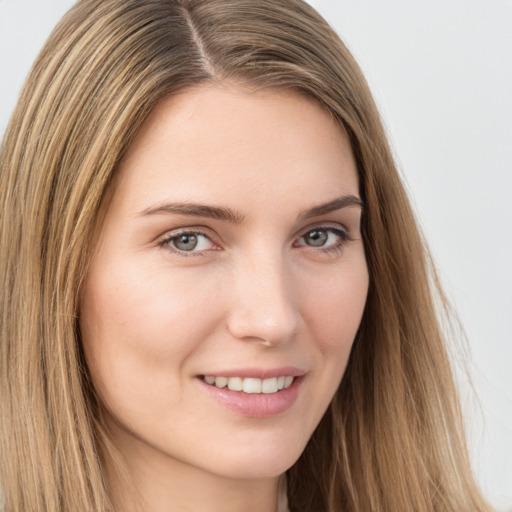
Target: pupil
{"x": 317, "y": 237}
{"x": 186, "y": 242}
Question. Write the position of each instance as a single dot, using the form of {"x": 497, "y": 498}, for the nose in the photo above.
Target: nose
{"x": 263, "y": 304}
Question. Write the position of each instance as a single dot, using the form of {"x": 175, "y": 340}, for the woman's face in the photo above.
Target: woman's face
{"x": 229, "y": 255}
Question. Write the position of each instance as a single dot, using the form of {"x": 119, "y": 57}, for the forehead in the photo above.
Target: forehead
{"x": 229, "y": 142}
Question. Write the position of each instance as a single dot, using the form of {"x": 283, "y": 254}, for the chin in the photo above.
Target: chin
{"x": 257, "y": 461}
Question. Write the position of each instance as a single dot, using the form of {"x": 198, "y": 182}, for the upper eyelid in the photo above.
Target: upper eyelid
{"x": 323, "y": 225}
{"x": 206, "y": 231}
{"x": 346, "y": 237}
{"x": 203, "y": 230}
{"x": 168, "y": 235}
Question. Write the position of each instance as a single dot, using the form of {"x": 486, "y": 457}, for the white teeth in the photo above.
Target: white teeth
{"x": 269, "y": 385}
{"x": 235, "y": 384}
{"x": 249, "y": 384}
{"x": 252, "y": 385}
{"x": 221, "y": 382}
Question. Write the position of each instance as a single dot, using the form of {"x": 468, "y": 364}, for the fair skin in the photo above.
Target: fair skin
{"x": 265, "y": 279}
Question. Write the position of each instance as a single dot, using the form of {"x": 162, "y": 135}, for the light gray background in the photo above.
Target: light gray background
{"x": 441, "y": 72}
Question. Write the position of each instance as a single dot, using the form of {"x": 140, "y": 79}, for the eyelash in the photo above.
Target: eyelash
{"x": 167, "y": 242}
{"x": 335, "y": 249}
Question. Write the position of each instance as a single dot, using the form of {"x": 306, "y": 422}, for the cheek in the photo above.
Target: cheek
{"x": 137, "y": 326}
{"x": 335, "y": 310}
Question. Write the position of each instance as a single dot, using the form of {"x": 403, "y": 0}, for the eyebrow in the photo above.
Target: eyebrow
{"x": 331, "y": 206}
{"x": 235, "y": 217}
{"x": 196, "y": 210}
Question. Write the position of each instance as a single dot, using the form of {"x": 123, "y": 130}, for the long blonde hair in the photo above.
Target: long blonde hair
{"x": 392, "y": 439}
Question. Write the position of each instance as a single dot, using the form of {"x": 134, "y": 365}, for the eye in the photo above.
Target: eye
{"x": 326, "y": 238}
{"x": 317, "y": 237}
{"x": 188, "y": 241}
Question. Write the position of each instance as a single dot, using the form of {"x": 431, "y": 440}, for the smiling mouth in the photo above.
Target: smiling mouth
{"x": 250, "y": 385}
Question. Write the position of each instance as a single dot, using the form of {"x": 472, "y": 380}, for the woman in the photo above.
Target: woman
{"x": 213, "y": 276}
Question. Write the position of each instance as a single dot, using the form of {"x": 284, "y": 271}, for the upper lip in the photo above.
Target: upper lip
{"x": 259, "y": 373}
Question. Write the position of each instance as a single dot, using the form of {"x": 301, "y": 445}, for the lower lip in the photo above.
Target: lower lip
{"x": 255, "y": 405}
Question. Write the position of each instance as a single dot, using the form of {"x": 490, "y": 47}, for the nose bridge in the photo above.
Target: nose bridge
{"x": 263, "y": 305}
